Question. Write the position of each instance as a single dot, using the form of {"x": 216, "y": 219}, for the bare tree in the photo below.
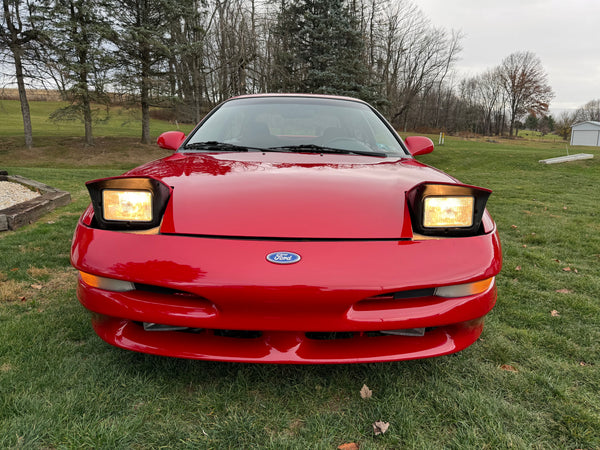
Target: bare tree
{"x": 589, "y": 111}
{"x": 234, "y": 46}
{"x": 17, "y": 32}
{"x": 412, "y": 60}
{"x": 187, "y": 60}
{"x": 563, "y": 125}
{"x": 489, "y": 89}
{"x": 525, "y": 83}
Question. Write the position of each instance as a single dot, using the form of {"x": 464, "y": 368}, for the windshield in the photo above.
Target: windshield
{"x": 309, "y": 124}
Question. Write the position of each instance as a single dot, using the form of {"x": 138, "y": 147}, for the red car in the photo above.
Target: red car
{"x": 288, "y": 229}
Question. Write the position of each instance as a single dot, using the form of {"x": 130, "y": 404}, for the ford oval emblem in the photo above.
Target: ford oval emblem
{"x": 283, "y": 257}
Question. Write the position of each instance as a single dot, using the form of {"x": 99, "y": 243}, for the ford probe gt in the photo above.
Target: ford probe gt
{"x": 288, "y": 229}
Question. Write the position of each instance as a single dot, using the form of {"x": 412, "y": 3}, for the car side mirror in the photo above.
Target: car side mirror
{"x": 419, "y": 145}
{"x": 171, "y": 140}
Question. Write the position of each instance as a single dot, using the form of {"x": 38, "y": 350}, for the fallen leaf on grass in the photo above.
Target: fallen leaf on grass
{"x": 554, "y": 313}
{"x": 365, "y": 392}
{"x": 508, "y": 368}
{"x": 380, "y": 427}
{"x": 564, "y": 291}
{"x": 583, "y": 364}
{"x": 36, "y": 286}
{"x": 566, "y": 269}
{"x": 518, "y": 268}
{"x": 349, "y": 446}
{"x": 514, "y": 226}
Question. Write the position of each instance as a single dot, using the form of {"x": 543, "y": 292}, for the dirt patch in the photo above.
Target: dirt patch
{"x": 13, "y": 291}
{"x": 295, "y": 427}
{"x": 107, "y": 152}
{"x": 42, "y": 281}
{"x": 62, "y": 280}
{"x": 39, "y": 274}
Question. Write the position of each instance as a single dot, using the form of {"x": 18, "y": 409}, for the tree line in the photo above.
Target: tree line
{"x": 189, "y": 55}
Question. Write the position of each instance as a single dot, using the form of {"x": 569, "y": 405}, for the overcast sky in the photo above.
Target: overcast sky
{"x": 565, "y": 34}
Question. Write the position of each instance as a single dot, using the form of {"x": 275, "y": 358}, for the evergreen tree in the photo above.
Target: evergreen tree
{"x": 141, "y": 28}
{"x": 77, "y": 56}
{"x": 531, "y": 123}
{"x": 321, "y": 50}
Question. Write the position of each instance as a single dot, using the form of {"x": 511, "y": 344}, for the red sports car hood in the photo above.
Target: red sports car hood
{"x": 280, "y": 195}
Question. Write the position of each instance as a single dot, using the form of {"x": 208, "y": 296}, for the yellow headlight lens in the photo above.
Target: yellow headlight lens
{"x": 441, "y": 212}
{"x": 129, "y": 206}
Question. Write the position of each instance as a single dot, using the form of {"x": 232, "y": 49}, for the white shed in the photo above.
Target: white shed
{"x": 586, "y": 133}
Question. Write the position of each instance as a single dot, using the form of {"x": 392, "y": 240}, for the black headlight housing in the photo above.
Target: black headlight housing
{"x": 155, "y": 191}
{"x": 471, "y": 197}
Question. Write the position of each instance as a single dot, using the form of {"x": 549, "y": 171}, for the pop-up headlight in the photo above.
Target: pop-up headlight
{"x": 447, "y": 209}
{"x": 128, "y": 203}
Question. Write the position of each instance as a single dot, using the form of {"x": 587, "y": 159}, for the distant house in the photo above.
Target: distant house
{"x": 586, "y": 133}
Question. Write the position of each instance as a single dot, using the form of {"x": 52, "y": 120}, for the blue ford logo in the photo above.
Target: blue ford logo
{"x": 283, "y": 257}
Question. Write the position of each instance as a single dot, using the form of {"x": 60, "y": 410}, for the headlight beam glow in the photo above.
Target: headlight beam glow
{"x": 127, "y": 206}
{"x": 446, "y": 212}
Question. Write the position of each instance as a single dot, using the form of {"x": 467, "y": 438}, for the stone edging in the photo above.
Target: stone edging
{"x": 28, "y": 212}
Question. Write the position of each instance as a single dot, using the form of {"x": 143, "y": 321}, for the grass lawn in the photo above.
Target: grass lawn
{"x": 531, "y": 381}
{"x": 536, "y": 135}
{"x": 120, "y": 122}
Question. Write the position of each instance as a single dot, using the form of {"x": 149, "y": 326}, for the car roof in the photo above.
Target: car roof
{"x": 303, "y": 95}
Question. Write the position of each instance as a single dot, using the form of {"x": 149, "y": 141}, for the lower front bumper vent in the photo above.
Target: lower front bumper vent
{"x": 314, "y": 335}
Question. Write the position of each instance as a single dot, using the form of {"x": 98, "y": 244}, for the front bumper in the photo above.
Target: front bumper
{"x": 215, "y": 284}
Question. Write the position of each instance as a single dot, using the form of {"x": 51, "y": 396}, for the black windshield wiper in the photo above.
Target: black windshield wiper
{"x": 313, "y": 148}
{"x": 222, "y": 146}
{"x": 305, "y": 148}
